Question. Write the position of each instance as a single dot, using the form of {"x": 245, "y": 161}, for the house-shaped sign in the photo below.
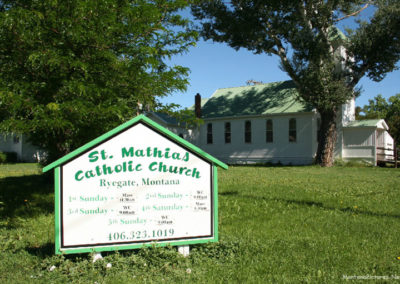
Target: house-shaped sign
{"x": 136, "y": 185}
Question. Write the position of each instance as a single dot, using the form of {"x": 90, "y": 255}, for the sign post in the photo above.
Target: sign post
{"x": 138, "y": 184}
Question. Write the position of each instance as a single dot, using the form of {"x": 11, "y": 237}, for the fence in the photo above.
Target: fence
{"x": 387, "y": 155}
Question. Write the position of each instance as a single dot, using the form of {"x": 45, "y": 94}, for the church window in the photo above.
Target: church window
{"x": 269, "y": 138}
{"x": 209, "y": 133}
{"x": 227, "y": 132}
{"x": 292, "y": 130}
{"x": 247, "y": 131}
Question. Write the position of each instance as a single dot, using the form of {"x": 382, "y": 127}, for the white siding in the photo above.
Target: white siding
{"x": 348, "y": 113}
{"x": 388, "y": 140}
{"x": 30, "y": 153}
{"x": 359, "y": 143}
{"x": 385, "y": 144}
{"x": 359, "y": 137}
{"x": 259, "y": 151}
{"x": 26, "y": 152}
{"x": 9, "y": 144}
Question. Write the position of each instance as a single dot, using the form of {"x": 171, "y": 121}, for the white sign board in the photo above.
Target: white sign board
{"x": 135, "y": 187}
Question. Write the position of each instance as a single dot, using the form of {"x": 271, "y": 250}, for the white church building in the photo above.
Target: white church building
{"x": 265, "y": 123}
{"x": 262, "y": 123}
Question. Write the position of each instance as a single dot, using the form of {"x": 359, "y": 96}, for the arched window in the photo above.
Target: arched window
{"x": 209, "y": 133}
{"x": 227, "y": 132}
{"x": 269, "y": 134}
{"x": 292, "y": 130}
{"x": 247, "y": 131}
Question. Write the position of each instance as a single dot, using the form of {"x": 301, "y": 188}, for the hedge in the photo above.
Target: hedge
{"x": 8, "y": 157}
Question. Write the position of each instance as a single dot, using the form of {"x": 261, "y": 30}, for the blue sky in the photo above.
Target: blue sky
{"x": 216, "y": 65}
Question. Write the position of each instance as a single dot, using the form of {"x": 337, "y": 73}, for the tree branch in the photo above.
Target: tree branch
{"x": 304, "y": 14}
{"x": 353, "y": 14}
{"x": 281, "y": 52}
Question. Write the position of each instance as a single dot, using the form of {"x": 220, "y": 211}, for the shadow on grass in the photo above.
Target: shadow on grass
{"x": 322, "y": 206}
{"x": 227, "y": 193}
{"x": 26, "y": 196}
{"x": 48, "y": 250}
{"x": 265, "y": 165}
{"x": 44, "y": 251}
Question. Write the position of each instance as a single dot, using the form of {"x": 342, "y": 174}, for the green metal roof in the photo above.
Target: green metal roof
{"x": 167, "y": 118}
{"x": 202, "y": 103}
{"x": 363, "y": 123}
{"x": 335, "y": 34}
{"x": 262, "y": 99}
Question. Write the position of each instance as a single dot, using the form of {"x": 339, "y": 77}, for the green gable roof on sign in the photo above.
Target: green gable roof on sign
{"x": 262, "y": 99}
{"x": 136, "y": 185}
{"x": 115, "y": 131}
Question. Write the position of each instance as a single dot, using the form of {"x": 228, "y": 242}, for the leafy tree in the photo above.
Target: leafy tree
{"x": 376, "y": 108}
{"x": 71, "y": 70}
{"x": 389, "y": 110}
{"x": 311, "y": 50}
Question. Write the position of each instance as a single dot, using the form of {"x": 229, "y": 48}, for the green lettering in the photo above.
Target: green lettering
{"x": 162, "y": 167}
{"x": 153, "y": 166}
{"x": 118, "y": 168}
{"x": 78, "y": 173}
{"x": 93, "y": 156}
{"x": 166, "y": 155}
{"x": 98, "y": 171}
{"x": 157, "y": 153}
{"x": 127, "y": 153}
{"x": 176, "y": 156}
{"x": 89, "y": 174}
{"x": 107, "y": 170}
{"x": 173, "y": 169}
{"x": 196, "y": 173}
{"x": 181, "y": 169}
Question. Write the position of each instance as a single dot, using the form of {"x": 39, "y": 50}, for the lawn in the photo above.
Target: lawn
{"x": 276, "y": 224}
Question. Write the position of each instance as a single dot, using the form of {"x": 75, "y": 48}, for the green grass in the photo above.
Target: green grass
{"x": 277, "y": 225}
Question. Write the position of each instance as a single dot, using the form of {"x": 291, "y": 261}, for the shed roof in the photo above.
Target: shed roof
{"x": 262, "y": 99}
{"x": 372, "y": 123}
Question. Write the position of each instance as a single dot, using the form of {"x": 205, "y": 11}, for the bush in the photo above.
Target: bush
{"x": 3, "y": 158}
{"x": 8, "y": 157}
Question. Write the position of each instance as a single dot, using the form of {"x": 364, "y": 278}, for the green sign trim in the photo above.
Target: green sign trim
{"x": 57, "y": 186}
{"x": 57, "y": 213}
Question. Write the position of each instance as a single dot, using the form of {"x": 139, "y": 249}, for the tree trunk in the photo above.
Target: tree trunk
{"x": 326, "y": 139}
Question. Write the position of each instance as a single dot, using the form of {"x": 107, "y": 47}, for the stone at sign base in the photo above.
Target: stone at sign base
{"x": 97, "y": 256}
{"x": 184, "y": 250}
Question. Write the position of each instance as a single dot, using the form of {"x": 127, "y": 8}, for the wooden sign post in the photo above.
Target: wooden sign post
{"x": 138, "y": 184}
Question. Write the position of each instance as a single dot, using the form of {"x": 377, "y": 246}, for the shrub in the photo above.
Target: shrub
{"x": 3, "y": 158}
{"x": 8, "y": 157}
